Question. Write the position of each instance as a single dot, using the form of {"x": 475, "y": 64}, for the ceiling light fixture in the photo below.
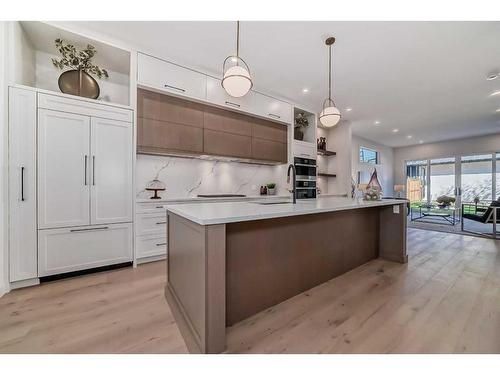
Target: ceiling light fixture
{"x": 492, "y": 76}
{"x": 330, "y": 115}
{"x": 420, "y": 141}
{"x": 495, "y": 93}
{"x": 409, "y": 136}
{"x": 348, "y": 109}
{"x": 305, "y": 90}
{"x": 395, "y": 130}
{"x": 377, "y": 122}
{"x": 236, "y": 79}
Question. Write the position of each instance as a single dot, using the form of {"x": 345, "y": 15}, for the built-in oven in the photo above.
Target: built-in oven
{"x": 305, "y": 177}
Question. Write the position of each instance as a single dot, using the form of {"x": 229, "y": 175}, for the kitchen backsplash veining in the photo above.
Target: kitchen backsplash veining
{"x": 188, "y": 177}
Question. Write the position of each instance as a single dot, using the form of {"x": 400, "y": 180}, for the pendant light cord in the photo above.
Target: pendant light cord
{"x": 330, "y": 73}
{"x": 237, "y": 38}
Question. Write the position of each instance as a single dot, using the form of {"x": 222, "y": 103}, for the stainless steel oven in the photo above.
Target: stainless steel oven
{"x": 306, "y": 178}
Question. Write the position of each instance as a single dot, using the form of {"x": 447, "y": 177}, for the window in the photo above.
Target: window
{"x": 367, "y": 155}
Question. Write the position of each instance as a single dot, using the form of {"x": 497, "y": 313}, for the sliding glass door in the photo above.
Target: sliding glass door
{"x": 416, "y": 181}
{"x": 477, "y": 178}
{"x": 442, "y": 178}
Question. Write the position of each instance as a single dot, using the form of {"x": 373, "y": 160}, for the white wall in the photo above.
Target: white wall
{"x": 466, "y": 146}
{"x": 385, "y": 168}
{"x": 3, "y": 160}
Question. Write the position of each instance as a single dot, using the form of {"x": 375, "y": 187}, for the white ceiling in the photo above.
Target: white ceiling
{"x": 426, "y": 79}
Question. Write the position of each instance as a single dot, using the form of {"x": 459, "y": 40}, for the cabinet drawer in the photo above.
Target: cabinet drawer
{"x": 82, "y": 107}
{"x": 304, "y": 149}
{"x": 151, "y": 224}
{"x": 170, "y": 78}
{"x": 272, "y": 109}
{"x": 217, "y": 95}
{"x": 73, "y": 249}
{"x": 148, "y": 246}
{"x": 151, "y": 208}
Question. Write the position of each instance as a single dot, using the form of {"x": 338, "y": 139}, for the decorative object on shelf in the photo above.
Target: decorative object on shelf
{"x": 445, "y": 201}
{"x": 78, "y": 80}
{"x": 263, "y": 190}
{"x": 236, "y": 79}
{"x": 330, "y": 115}
{"x": 301, "y": 122}
{"x": 398, "y": 189}
{"x": 271, "y": 188}
{"x": 321, "y": 143}
{"x": 373, "y": 189}
{"x": 156, "y": 186}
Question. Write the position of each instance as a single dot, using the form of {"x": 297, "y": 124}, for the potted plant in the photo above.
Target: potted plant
{"x": 301, "y": 122}
{"x": 271, "y": 188}
{"x": 78, "y": 80}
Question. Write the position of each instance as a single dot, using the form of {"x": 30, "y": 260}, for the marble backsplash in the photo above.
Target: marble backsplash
{"x": 187, "y": 177}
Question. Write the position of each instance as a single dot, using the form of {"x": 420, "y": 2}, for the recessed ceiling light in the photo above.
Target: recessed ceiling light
{"x": 492, "y": 76}
{"x": 348, "y": 109}
{"x": 395, "y": 130}
{"x": 420, "y": 141}
{"x": 305, "y": 90}
{"x": 495, "y": 93}
{"x": 377, "y": 122}
{"x": 409, "y": 136}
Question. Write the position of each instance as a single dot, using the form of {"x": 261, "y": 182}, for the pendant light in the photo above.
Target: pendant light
{"x": 330, "y": 115}
{"x": 236, "y": 79}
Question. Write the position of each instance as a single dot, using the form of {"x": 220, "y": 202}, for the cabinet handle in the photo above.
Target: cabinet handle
{"x": 233, "y": 104}
{"x": 22, "y": 184}
{"x": 273, "y": 115}
{"x": 174, "y": 88}
{"x": 93, "y": 170}
{"x": 161, "y": 244}
{"x": 88, "y": 229}
{"x": 85, "y": 176}
{"x": 159, "y": 206}
{"x": 161, "y": 222}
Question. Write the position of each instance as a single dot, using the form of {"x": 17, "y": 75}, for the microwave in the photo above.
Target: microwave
{"x": 305, "y": 184}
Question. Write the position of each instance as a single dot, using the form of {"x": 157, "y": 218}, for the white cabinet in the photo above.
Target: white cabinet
{"x": 111, "y": 158}
{"x": 22, "y": 185}
{"x": 63, "y": 169}
{"x": 72, "y": 249}
{"x": 303, "y": 149}
{"x": 151, "y": 231}
{"x": 162, "y": 75}
{"x": 273, "y": 109}
{"x": 217, "y": 95}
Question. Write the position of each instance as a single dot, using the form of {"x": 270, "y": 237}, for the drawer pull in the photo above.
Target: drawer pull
{"x": 159, "y": 207}
{"x": 88, "y": 229}
{"x": 161, "y": 222}
{"x": 233, "y": 104}
{"x": 273, "y": 115}
{"x": 161, "y": 244}
{"x": 174, "y": 88}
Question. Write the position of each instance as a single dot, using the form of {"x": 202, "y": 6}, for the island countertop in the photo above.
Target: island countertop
{"x": 231, "y": 212}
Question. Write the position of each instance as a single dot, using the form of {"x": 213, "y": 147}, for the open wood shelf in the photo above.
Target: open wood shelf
{"x": 326, "y": 174}
{"x": 326, "y": 152}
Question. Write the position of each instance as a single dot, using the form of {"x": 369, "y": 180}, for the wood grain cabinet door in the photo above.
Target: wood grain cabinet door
{"x": 227, "y": 144}
{"x": 269, "y": 141}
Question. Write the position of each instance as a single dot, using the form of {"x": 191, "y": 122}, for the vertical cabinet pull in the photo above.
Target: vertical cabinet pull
{"x": 85, "y": 176}
{"x": 93, "y": 170}
{"x": 22, "y": 184}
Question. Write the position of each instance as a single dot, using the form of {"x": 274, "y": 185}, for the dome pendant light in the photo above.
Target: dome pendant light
{"x": 330, "y": 115}
{"x": 236, "y": 79}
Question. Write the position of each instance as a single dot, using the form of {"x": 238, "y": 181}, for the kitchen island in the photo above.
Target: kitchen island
{"x": 228, "y": 261}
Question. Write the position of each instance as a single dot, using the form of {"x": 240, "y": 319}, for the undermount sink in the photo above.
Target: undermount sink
{"x": 273, "y": 202}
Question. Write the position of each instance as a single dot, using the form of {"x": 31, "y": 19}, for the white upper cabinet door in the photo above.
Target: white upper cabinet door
{"x": 22, "y": 184}
{"x": 172, "y": 78}
{"x": 111, "y": 166}
{"x": 273, "y": 109}
{"x": 217, "y": 95}
{"x": 63, "y": 169}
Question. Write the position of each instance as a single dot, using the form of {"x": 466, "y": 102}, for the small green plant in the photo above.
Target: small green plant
{"x": 78, "y": 59}
{"x": 271, "y": 185}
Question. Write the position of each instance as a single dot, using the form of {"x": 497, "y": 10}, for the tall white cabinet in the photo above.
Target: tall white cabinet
{"x": 74, "y": 165}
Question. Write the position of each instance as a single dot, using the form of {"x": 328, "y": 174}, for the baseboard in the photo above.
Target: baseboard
{"x": 24, "y": 283}
{"x": 153, "y": 258}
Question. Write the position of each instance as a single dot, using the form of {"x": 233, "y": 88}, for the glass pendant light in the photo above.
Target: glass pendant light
{"x": 236, "y": 78}
{"x": 330, "y": 115}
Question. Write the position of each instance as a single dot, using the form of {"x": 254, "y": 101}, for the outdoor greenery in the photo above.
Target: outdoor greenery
{"x": 78, "y": 59}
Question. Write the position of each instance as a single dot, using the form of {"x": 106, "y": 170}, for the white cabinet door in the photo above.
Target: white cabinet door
{"x": 72, "y": 249}
{"x": 22, "y": 184}
{"x": 111, "y": 171}
{"x": 159, "y": 74}
{"x": 151, "y": 246}
{"x": 151, "y": 224}
{"x": 304, "y": 149}
{"x": 217, "y": 95}
{"x": 273, "y": 109}
{"x": 63, "y": 169}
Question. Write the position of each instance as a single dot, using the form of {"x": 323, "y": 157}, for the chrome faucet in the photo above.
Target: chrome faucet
{"x": 294, "y": 191}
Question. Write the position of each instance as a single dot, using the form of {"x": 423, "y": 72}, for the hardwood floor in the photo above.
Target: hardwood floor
{"x": 445, "y": 300}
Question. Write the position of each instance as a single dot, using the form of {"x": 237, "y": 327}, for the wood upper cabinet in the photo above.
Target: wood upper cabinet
{"x": 171, "y": 78}
{"x": 170, "y": 126}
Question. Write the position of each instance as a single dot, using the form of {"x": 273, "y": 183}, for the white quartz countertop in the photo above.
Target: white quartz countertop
{"x": 231, "y": 212}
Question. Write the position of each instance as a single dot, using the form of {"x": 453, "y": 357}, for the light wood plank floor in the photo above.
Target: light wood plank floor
{"x": 445, "y": 300}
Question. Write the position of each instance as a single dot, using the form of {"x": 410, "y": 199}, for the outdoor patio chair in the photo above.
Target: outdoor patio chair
{"x": 482, "y": 214}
